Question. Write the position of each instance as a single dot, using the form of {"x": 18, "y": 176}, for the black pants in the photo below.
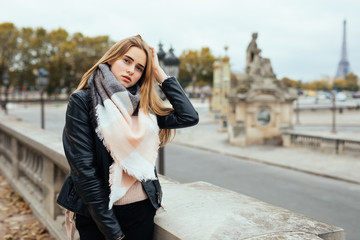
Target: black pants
{"x": 136, "y": 221}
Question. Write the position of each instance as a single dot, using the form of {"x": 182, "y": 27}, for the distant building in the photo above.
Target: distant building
{"x": 169, "y": 63}
{"x": 344, "y": 65}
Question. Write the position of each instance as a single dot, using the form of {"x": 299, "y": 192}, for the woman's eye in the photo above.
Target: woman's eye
{"x": 126, "y": 60}
{"x": 139, "y": 69}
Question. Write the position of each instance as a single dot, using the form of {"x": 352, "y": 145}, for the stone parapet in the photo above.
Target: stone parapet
{"x": 200, "y": 210}
{"x": 33, "y": 162}
{"x": 324, "y": 142}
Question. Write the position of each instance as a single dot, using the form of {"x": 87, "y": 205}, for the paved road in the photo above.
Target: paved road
{"x": 328, "y": 200}
{"x": 331, "y": 201}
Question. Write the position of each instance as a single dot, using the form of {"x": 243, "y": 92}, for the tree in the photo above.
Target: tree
{"x": 8, "y": 46}
{"x": 350, "y": 82}
{"x": 24, "y": 59}
{"x": 317, "y": 85}
{"x": 66, "y": 57}
{"x": 58, "y": 39}
{"x": 84, "y": 53}
{"x": 290, "y": 82}
{"x": 197, "y": 66}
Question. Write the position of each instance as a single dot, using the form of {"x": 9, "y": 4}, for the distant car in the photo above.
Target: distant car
{"x": 321, "y": 95}
{"x": 341, "y": 96}
{"x": 356, "y": 95}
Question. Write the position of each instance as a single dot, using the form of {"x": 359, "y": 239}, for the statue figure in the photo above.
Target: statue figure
{"x": 252, "y": 52}
{"x": 255, "y": 64}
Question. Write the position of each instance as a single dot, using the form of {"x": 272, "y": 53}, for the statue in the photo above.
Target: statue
{"x": 259, "y": 106}
{"x": 255, "y": 64}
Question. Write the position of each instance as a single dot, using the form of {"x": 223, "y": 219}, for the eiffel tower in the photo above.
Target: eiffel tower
{"x": 344, "y": 65}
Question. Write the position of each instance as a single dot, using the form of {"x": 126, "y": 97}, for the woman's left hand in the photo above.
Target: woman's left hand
{"x": 159, "y": 73}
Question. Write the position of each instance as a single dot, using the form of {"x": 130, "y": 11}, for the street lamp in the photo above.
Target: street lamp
{"x": 297, "y": 104}
{"x": 333, "y": 130}
{"x": 6, "y": 81}
{"x": 42, "y": 80}
{"x": 161, "y": 159}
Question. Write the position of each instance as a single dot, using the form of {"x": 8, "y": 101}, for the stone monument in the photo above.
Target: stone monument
{"x": 259, "y": 105}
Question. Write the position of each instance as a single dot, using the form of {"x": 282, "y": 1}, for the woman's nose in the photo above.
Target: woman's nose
{"x": 130, "y": 70}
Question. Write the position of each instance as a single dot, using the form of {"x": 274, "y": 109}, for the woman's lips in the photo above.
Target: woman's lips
{"x": 126, "y": 78}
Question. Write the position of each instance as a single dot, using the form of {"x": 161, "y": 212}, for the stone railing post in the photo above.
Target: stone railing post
{"x": 286, "y": 139}
{"x": 14, "y": 158}
{"x": 51, "y": 187}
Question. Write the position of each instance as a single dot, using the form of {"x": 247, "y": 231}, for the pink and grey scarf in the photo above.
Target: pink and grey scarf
{"x": 130, "y": 135}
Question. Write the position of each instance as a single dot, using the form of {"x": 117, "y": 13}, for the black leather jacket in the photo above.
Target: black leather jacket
{"x": 86, "y": 189}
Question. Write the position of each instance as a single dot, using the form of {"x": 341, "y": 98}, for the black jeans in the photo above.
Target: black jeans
{"x": 136, "y": 221}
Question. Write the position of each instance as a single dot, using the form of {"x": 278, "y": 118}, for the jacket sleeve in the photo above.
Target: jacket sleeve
{"x": 184, "y": 114}
{"x": 79, "y": 146}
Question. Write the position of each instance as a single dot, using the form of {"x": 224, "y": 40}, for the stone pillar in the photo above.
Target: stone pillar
{"x": 225, "y": 84}
{"x": 221, "y": 88}
{"x": 216, "y": 89}
{"x": 14, "y": 158}
{"x": 51, "y": 187}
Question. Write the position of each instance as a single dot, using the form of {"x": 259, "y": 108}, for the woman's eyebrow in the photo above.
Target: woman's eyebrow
{"x": 133, "y": 60}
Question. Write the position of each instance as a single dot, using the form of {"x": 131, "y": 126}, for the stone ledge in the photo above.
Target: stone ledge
{"x": 286, "y": 236}
{"x": 203, "y": 211}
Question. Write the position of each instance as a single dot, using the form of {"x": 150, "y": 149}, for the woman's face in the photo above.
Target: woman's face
{"x": 129, "y": 68}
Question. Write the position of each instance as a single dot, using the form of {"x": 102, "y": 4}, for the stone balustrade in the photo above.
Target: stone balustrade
{"x": 322, "y": 142}
{"x": 33, "y": 162}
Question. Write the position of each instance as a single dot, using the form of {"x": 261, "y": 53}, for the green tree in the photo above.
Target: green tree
{"x": 349, "y": 82}
{"x": 197, "y": 66}
{"x": 84, "y": 52}
{"x": 8, "y": 46}
{"x": 58, "y": 40}
{"x": 317, "y": 85}
{"x": 24, "y": 58}
{"x": 290, "y": 82}
{"x": 66, "y": 57}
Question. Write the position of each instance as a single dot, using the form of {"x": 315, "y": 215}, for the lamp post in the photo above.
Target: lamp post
{"x": 297, "y": 105}
{"x": 333, "y": 130}
{"x": 42, "y": 80}
{"x": 6, "y": 81}
{"x": 161, "y": 161}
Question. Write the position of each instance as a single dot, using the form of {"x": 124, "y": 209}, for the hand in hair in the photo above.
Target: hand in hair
{"x": 159, "y": 73}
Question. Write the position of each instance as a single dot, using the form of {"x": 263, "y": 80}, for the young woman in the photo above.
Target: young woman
{"x": 115, "y": 124}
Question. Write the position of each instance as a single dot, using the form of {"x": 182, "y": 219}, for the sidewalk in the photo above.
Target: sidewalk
{"x": 207, "y": 137}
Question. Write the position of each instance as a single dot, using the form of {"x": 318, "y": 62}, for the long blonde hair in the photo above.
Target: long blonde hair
{"x": 149, "y": 100}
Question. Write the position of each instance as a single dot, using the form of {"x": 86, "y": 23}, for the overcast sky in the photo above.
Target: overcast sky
{"x": 301, "y": 37}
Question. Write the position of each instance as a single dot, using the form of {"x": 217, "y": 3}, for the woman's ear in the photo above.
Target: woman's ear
{"x": 110, "y": 62}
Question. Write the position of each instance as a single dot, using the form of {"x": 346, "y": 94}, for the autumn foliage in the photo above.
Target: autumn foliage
{"x": 16, "y": 219}
{"x": 349, "y": 83}
{"x": 66, "y": 56}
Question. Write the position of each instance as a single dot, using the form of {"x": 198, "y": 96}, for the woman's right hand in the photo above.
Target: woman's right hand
{"x": 159, "y": 73}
